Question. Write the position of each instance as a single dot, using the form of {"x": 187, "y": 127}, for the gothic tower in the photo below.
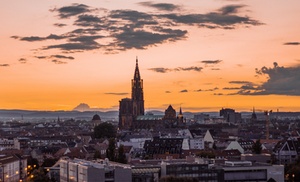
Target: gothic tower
{"x": 180, "y": 116}
{"x": 137, "y": 94}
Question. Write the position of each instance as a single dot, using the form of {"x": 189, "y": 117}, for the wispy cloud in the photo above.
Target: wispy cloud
{"x": 58, "y": 62}
{"x": 292, "y": 43}
{"x": 207, "y": 90}
{"x": 116, "y": 93}
{"x": 161, "y": 6}
{"x": 4, "y": 65}
{"x": 165, "y": 70}
{"x": 23, "y": 60}
{"x": 213, "y": 62}
{"x": 183, "y": 91}
{"x": 240, "y": 82}
{"x": 60, "y": 24}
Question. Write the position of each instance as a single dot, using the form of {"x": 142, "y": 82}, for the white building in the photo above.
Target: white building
{"x": 12, "y": 168}
{"x": 78, "y": 170}
{"x": 196, "y": 143}
{"x": 248, "y": 171}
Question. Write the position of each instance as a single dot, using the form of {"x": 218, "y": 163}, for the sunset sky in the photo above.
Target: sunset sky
{"x": 201, "y": 55}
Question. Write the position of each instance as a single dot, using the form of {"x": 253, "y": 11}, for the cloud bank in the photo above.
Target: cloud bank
{"x": 280, "y": 81}
{"x": 112, "y": 31}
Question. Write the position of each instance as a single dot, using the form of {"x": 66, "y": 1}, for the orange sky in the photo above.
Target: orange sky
{"x": 202, "y": 55}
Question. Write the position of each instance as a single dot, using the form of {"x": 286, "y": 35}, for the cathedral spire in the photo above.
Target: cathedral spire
{"x": 137, "y": 71}
{"x": 137, "y": 94}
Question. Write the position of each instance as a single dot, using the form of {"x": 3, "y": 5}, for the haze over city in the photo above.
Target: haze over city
{"x": 200, "y": 55}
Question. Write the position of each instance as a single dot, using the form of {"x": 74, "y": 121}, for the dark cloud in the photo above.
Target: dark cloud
{"x": 58, "y": 62}
{"x": 212, "y": 89}
{"x": 280, "y": 81}
{"x": 114, "y": 93}
{"x": 87, "y": 20}
{"x": 139, "y": 39}
{"x": 167, "y": 92}
{"x": 62, "y": 57}
{"x": 4, "y": 65}
{"x": 159, "y": 70}
{"x": 199, "y": 90}
{"x": 215, "y": 69}
{"x": 161, "y": 6}
{"x": 73, "y": 10}
{"x": 120, "y": 30}
{"x": 60, "y": 24}
{"x": 41, "y": 57}
{"x": 218, "y": 94}
{"x": 183, "y": 91}
{"x": 292, "y": 43}
{"x": 37, "y": 38}
{"x": 225, "y": 18}
{"x": 73, "y": 46}
{"x": 165, "y": 70}
{"x": 211, "y": 61}
{"x": 230, "y": 9}
{"x": 32, "y": 38}
{"x": 23, "y": 60}
{"x": 57, "y": 58}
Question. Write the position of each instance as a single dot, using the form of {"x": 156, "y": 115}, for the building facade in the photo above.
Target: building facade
{"x": 78, "y": 170}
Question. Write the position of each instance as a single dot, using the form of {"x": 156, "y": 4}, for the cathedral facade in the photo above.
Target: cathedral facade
{"x": 132, "y": 110}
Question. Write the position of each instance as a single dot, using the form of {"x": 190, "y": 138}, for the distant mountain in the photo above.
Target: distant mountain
{"x": 85, "y": 107}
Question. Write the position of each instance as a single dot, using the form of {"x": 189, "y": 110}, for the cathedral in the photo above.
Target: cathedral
{"x": 132, "y": 111}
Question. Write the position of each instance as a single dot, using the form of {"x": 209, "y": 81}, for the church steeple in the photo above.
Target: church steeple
{"x": 137, "y": 93}
{"x": 137, "y": 75}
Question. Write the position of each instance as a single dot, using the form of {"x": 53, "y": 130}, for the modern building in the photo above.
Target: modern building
{"x": 201, "y": 172}
{"x": 78, "y": 170}
{"x": 249, "y": 171}
{"x": 230, "y": 115}
{"x": 12, "y": 168}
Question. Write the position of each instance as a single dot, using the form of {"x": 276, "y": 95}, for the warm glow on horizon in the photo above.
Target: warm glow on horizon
{"x": 200, "y": 55}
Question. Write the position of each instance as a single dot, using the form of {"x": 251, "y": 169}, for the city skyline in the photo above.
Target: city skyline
{"x": 199, "y": 55}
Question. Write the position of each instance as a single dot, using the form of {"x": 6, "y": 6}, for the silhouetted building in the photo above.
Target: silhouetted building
{"x": 131, "y": 108}
{"x": 96, "y": 120}
{"x": 230, "y": 115}
{"x": 253, "y": 116}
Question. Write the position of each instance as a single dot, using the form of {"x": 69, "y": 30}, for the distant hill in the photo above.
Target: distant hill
{"x": 27, "y": 115}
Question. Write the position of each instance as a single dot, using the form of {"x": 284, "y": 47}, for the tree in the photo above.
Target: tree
{"x": 38, "y": 175}
{"x": 97, "y": 155}
{"x": 292, "y": 171}
{"x": 110, "y": 152}
{"x": 49, "y": 162}
{"x": 32, "y": 164}
{"x": 256, "y": 147}
{"x": 121, "y": 155}
{"x": 105, "y": 130}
